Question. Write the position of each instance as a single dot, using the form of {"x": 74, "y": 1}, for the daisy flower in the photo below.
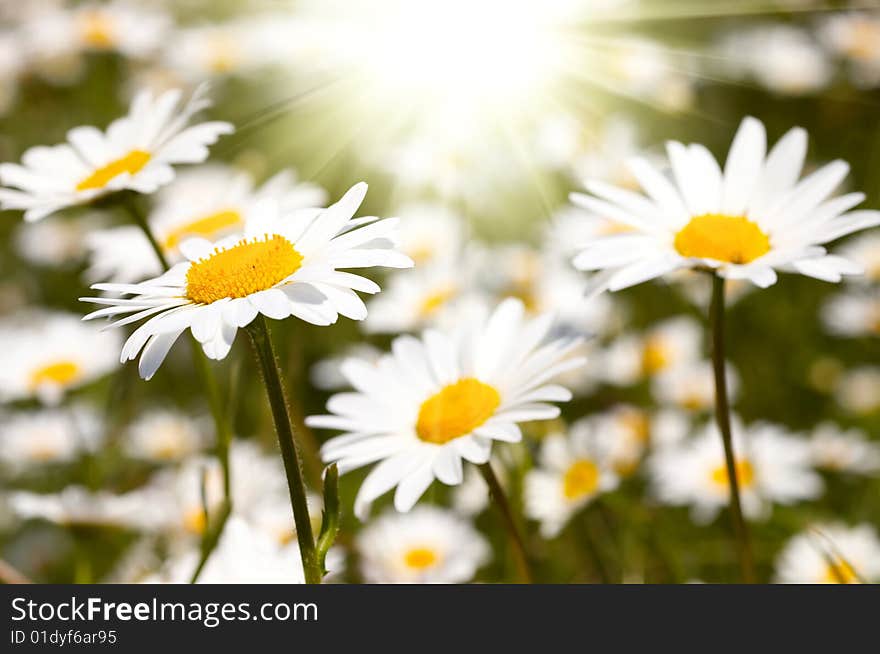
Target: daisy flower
{"x": 430, "y": 233}
{"x": 427, "y": 546}
{"x": 210, "y": 202}
{"x": 858, "y": 390}
{"x": 865, "y": 251}
{"x": 162, "y": 436}
{"x": 573, "y": 470}
{"x": 76, "y": 505}
{"x": 745, "y": 222}
{"x": 855, "y": 36}
{"x": 437, "y": 400}
{"x": 831, "y": 554}
{"x": 853, "y": 314}
{"x": 844, "y": 451}
{"x": 691, "y": 386}
{"x": 48, "y": 436}
{"x": 284, "y": 264}
{"x": 47, "y": 355}
{"x": 56, "y": 242}
{"x": 772, "y": 466}
{"x": 137, "y": 152}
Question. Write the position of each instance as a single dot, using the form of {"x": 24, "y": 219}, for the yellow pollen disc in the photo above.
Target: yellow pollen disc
{"x": 44, "y": 453}
{"x": 97, "y": 29}
{"x": 841, "y": 572}
{"x": 131, "y": 163}
{"x": 434, "y": 301}
{"x": 194, "y": 521}
{"x": 655, "y": 356}
{"x": 456, "y": 411}
{"x": 61, "y": 373}
{"x": 638, "y": 424}
{"x": 745, "y": 474}
{"x": 581, "y": 479}
{"x": 733, "y": 239}
{"x": 206, "y": 226}
{"x": 420, "y": 558}
{"x": 242, "y": 270}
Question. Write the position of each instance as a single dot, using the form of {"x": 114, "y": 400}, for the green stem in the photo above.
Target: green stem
{"x": 215, "y": 401}
{"x": 722, "y": 416}
{"x": 501, "y": 501}
{"x": 258, "y": 331}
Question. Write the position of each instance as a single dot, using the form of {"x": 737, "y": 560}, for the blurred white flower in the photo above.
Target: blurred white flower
{"x": 853, "y": 314}
{"x": 446, "y": 397}
{"x": 430, "y": 233}
{"x": 865, "y": 251}
{"x": 772, "y": 466}
{"x": 844, "y": 451}
{"x": 42, "y": 436}
{"x": 48, "y": 354}
{"x": 855, "y": 36}
{"x": 831, "y": 554}
{"x": 573, "y": 469}
{"x": 76, "y": 505}
{"x": 858, "y": 390}
{"x": 327, "y": 373}
{"x": 57, "y": 241}
{"x": 691, "y": 386}
{"x": 163, "y": 435}
{"x": 136, "y": 152}
{"x": 428, "y": 545}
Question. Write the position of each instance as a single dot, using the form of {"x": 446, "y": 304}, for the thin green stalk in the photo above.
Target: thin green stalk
{"x": 516, "y": 539}
{"x": 215, "y": 401}
{"x": 722, "y": 416}
{"x": 258, "y": 331}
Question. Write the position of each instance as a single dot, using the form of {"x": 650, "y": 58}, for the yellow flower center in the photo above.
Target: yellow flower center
{"x": 131, "y": 163}
{"x": 61, "y": 373}
{"x": 97, "y": 29}
{"x": 456, "y": 411}
{"x": 655, "y": 356}
{"x": 44, "y": 452}
{"x": 581, "y": 479}
{"x": 434, "y": 301}
{"x": 840, "y": 571}
{"x": 745, "y": 474}
{"x": 244, "y": 269}
{"x": 420, "y": 558}
{"x": 206, "y": 226}
{"x": 637, "y": 423}
{"x": 194, "y": 521}
{"x": 223, "y": 54}
{"x": 734, "y": 239}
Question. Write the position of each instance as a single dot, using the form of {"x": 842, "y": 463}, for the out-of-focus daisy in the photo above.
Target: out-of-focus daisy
{"x": 244, "y": 555}
{"x": 647, "y": 70}
{"x": 136, "y": 152}
{"x": 865, "y": 251}
{"x": 831, "y": 554}
{"x": 47, "y": 354}
{"x": 856, "y": 37}
{"x": 668, "y": 345}
{"x": 284, "y": 264}
{"x": 745, "y": 222}
{"x": 771, "y": 466}
{"x": 429, "y": 233}
{"x": 573, "y": 470}
{"x": 48, "y": 435}
{"x": 434, "y": 401}
{"x": 853, "y": 314}
{"x": 782, "y": 58}
{"x": 56, "y": 242}
{"x": 428, "y": 545}
{"x": 163, "y": 435}
{"x": 691, "y": 386}
{"x": 858, "y": 390}
{"x": 76, "y": 505}
{"x": 209, "y": 202}
{"x": 844, "y": 451}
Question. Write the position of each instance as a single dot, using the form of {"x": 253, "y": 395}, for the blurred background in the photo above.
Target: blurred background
{"x": 472, "y": 121}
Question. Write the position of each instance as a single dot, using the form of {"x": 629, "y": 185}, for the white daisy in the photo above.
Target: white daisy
{"x": 858, "y": 390}
{"x": 855, "y": 36}
{"x": 285, "y": 264}
{"x": 428, "y": 546}
{"x": 163, "y": 435}
{"x": 430, "y": 233}
{"x": 48, "y": 436}
{"x": 746, "y": 222}
{"x": 831, "y": 554}
{"x": 844, "y": 451}
{"x": 48, "y": 354}
{"x": 691, "y": 386}
{"x": 853, "y": 314}
{"x": 667, "y": 345}
{"x": 136, "y": 152}
{"x": 573, "y": 470}
{"x": 772, "y": 467}
{"x": 865, "y": 251}
{"x": 76, "y": 505}
{"x": 210, "y": 202}
{"x": 432, "y": 402}
{"x": 56, "y": 242}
